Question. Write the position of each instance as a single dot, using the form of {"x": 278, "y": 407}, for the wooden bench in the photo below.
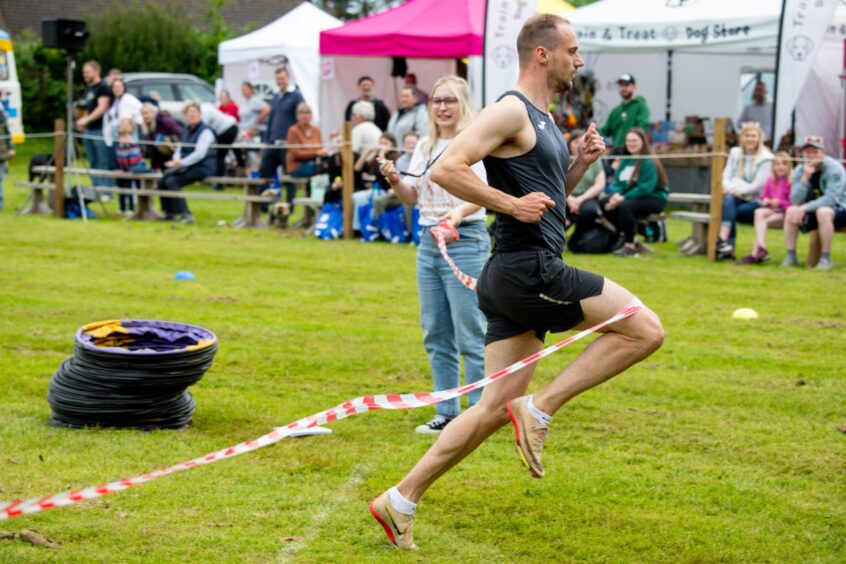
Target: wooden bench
{"x": 145, "y": 205}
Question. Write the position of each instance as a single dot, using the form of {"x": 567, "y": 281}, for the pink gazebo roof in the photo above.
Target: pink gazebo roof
{"x": 419, "y": 28}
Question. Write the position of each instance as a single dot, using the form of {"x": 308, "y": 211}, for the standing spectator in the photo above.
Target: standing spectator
{"x": 419, "y": 93}
{"x": 410, "y": 116}
{"x": 129, "y": 158}
{"x": 194, "y": 159}
{"x": 225, "y": 128}
{"x": 640, "y": 189}
{"x": 365, "y": 133}
{"x": 300, "y": 161}
{"x": 282, "y": 114}
{"x": 163, "y": 130}
{"x": 633, "y": 111}
{"x": 775, "y": 199}
{"x": 583, "y": 202}
{"x": 759, "y": 111}
{"x": 124, "y": 106}
{"x": 7, "y": 150}
{"x": 453, "y": 325}
{"x": 253, "y": 111}
{"x": 227, "y": 106}
{"x": 98, "y": 97}
{"x": 382, "y": 114}
{"x": 744, "y": 176}
{"x": 818, "y": 198}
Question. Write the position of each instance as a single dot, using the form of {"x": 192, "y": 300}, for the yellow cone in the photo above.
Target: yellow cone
{"x": 745, "y": 313}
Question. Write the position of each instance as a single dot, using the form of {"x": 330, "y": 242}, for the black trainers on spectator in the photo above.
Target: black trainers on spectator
{"x": 724, "y": 247}
{"x": 187, "y": 219}
{"x": 434, "y": 426}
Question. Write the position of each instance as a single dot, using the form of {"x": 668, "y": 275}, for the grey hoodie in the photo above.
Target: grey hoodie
{"x": 832, "y": 185}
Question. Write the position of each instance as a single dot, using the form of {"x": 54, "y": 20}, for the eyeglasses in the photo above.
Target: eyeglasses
{"x": 449, "y": 101}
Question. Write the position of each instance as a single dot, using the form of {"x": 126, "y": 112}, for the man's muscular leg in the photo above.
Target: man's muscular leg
{"x": 473, "y": 426}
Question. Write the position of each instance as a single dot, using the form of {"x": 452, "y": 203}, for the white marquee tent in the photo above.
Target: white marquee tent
{"x": 688, "y": 57}
{"x": 292, "y": 40}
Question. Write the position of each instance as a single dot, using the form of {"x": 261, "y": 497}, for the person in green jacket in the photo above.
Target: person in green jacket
{"x": 7, "y": 150}
{"x": 640, "y": 189}
{"x": 633, "y": 111}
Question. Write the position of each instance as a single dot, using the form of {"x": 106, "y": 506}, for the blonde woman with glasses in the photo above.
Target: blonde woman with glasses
{"x": 747, "y": 169}
{"x": 453, "y": 325}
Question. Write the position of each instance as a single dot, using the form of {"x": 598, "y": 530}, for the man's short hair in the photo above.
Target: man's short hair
{"x": 364, "y": 109}
{"x": 541, "y": 30}
{"x": 280, "y": 70}
{"x": 94, "y": 65}
{"x": 365, "y": 77}
{"x": 249, "y": 85}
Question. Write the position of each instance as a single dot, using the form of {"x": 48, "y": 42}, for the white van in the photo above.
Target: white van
{"x": 10, "y": 88}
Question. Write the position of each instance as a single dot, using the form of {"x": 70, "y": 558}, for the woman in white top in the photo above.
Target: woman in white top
{"x": 124, "y": 106}
{"x": 746, "y": 172}
{"x": 452, "y": 323}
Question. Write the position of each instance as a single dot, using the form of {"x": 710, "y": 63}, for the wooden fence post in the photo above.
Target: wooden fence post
{"x": 59, "y": 162}
{"x": 349, "y": 180}
{"x": 718, "y": 163}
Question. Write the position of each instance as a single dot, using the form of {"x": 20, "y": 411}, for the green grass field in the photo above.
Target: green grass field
{"x": 722, "y": 447}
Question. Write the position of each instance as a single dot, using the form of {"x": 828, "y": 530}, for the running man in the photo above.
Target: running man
{"x": 525, "y": 288}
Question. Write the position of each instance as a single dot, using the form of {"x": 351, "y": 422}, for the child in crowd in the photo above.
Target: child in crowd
{"x": 775, "y": 199}
{"x": 7, "y": 150}
{"x": 129, "y": 158}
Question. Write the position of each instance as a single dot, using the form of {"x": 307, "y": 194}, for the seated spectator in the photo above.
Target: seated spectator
{"x": 402, "y": 163}
{"x": 253, "y": 111}
{"x": 365, "y": 134}
{"x": 410, "y": 116}
{"x": 227, "y": 106}
{"x": 746, "y": 171}
{"x": 775, "y": 199}
{"x": 368, "y": 160}
{"x": 818, "y": 201}
{"x": 382, "y": 114}
{"x": 225, "y": 128}
{"x": 409, "y": 142}
{"x": 194, "y": 159}
{"x": 583, "y": 202}
{"x": 640, "y": 189}
{"x": 163, "y": 130}
{"x": 129, "y": 158}
{"x": 305, "y": 145}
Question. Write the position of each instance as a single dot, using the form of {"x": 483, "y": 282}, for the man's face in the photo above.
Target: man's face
{"x": 282, "y": 80}
{"x": 246, "y": 92}
{"x": 564, "y": 60}
{"x": 626, "y": 90}
{"x": 406, "y": 99}
{"x": 366, "y": 88}
{"x": 89, "y": 75}
{"x": 812, "y": 155}
{"x": 760, "y": 93}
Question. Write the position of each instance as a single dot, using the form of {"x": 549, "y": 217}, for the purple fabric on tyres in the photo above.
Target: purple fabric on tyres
{"x": 150, "y": 338}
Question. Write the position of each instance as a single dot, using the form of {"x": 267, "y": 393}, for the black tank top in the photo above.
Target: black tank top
{"x": 542, "y": 169}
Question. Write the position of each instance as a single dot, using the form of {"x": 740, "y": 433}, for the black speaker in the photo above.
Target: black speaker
{"x": 69, "y": 35}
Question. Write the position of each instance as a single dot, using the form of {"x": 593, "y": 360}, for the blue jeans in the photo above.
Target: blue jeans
{"x": 99, "y": 155}
{"x": 452, "y": 322}
{"x": 737, "y": 209}
{"x": 3, "y": 171}
{"x": 306, "y": 170}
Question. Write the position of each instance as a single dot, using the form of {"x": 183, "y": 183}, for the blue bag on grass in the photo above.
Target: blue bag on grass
{"x": 415, "y": 226}
{"x": 330, "y": 222}
{"x": 392, "y": 225}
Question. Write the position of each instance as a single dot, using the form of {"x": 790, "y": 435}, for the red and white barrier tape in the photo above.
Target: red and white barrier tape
{"x": 441, "y": 233}
{"x": 342, "y": 411}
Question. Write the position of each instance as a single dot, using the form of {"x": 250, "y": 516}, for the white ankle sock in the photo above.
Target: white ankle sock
{"x": 400, "y": 503}
{"x": 542, "y": 417}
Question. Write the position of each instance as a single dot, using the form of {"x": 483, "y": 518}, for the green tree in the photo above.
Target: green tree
{"x": 41, "y": 73}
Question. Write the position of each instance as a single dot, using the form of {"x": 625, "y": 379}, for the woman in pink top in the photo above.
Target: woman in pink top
{"x": 775, "y": 199}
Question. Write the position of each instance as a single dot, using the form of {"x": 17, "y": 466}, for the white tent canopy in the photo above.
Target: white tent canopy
{"x": 292, "y": 40}
{"x": 693, "y": 53}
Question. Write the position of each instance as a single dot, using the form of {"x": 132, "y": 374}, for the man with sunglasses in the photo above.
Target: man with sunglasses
{"x": 525, "y": 289}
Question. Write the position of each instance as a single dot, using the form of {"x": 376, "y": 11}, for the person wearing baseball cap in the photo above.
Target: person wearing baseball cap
{"x": 633, "y": 111}
{"x": 818, "y": 201}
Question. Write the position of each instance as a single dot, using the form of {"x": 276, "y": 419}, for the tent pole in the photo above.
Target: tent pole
{"x": 775, "y": 141}
{"x": 669, "y": 83}
{"x": 485, "y": 58}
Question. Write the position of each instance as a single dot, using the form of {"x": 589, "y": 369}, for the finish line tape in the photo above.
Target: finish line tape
{"x": 355, "y": 406}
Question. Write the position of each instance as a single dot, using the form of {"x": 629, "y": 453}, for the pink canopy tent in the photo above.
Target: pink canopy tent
{"x": 431, "y": 34}
{"x": 431, "y": 29}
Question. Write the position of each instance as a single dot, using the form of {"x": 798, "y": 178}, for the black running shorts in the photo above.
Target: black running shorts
{"x": 533, "y": 290}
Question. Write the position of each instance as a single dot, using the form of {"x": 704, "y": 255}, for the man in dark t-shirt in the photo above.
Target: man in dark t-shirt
{"x": 525, "y": 289}
{"x": 98, "y": 97}
{"x": 365, "y": 87}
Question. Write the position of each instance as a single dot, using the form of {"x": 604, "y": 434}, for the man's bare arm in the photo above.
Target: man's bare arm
{"x": 498, "y": 127}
